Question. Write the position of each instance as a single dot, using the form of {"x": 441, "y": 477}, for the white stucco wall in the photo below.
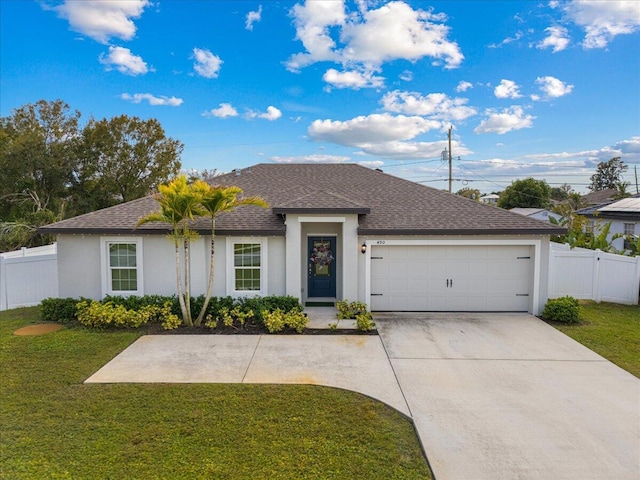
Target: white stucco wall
{"x": 79, "y": 266}
{"x": 80, "y": 269}
{"x": 276, "y": 274}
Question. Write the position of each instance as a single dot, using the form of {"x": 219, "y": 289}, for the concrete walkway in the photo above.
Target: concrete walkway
{"x": 351, "y": 362}
{"x": 492, "y": 396}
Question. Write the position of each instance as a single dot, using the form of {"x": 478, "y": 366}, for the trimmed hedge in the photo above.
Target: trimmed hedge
{"x": 61, "y": 310}
{"x": 564, "y": 309}
{"x": 247, "y": 312}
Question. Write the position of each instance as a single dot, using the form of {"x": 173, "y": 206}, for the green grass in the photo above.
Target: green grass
{"x": 52, "y": 426}
{"x": 610, "y": 330}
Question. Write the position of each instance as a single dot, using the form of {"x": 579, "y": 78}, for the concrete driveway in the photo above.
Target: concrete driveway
{"x": 508, "y": 397}
{"x": 493, "y": 396}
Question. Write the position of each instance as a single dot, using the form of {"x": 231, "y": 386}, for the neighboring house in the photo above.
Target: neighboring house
{"x": 332, "y": 232}
{"x": 624, "y": 216}
{"x": 491, "y": 199}
{"x": 537, "y": 213}
{"x": 599, "y": 197}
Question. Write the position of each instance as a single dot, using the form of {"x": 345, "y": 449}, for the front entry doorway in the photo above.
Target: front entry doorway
{"x": 321, "y": 260}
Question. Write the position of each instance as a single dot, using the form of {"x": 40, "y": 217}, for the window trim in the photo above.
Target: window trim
{"x": 105, "y": 268}
{"x": 231, "y": 271}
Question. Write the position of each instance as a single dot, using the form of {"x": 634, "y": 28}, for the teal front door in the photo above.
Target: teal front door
{"x": 321, "y": 263}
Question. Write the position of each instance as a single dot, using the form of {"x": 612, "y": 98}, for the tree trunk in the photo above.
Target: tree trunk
{"x": 187, "y": 289}
{"x": 203, "y": 310}
{"x": 179, "y": 282}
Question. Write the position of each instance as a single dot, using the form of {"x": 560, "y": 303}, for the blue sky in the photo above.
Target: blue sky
{"x": 542, "y": 89}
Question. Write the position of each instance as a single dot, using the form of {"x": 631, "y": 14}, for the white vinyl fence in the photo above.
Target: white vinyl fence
{"x": 593, "y": 275}
{"x": 27, "y": 276}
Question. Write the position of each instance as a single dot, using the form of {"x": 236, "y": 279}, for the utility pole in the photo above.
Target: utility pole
{"x": 450, "y": 159}
{"x": 635, "y": 170}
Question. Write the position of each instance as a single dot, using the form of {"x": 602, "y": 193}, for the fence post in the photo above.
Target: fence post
{"x": 3, "y": 283}
{"x": 637, "y": 289}
{"x": 596, "y": 276}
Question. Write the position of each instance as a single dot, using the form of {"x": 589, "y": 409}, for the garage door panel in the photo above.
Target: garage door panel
{"x": 451, "y": 278}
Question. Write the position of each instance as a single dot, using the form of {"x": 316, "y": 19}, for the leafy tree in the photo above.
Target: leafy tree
{"x": 179, "y": 203}
{"x": 216, "y": 200}
{"x": 526, "y": 193}
{"x": 38, "y": 144}
{"x": 124, "y": 158}
{"x": 608, "y": 175}
{"x": 472, "y": 193}
{"x": 579, "y": 236}
{"x": 622, "y": 191}
{"x": 562, "y": 192}
{"x": 204, "y": 174}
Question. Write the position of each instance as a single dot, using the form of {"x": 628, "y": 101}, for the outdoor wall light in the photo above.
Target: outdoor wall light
{"x": 363, "y": 248}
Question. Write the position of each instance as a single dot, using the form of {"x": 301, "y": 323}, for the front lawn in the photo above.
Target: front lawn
{"x": 54, "y": 426}
{"x": 611, "y": 330}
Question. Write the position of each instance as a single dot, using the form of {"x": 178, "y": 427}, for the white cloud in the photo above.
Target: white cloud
{"x": 435, "y": 105}
{"x": 604, "y": 20}
{"x": 396, "y": 31}
{"x": 152, "y": 99}
{"x": 371, "y": 163}
{"x": 253, "y": 17}
{"x": 507, "y": 89}
{"x": 463, "y": 86}
{"x": 557, "y": 39}
{"x": 631, "y": 147}
{"x": 314, "y": 158}
{"x": 507, "y": 40}
{"x": 413, "y": 150}
{"x": 352, "y": 79}
{"x": 406, "y": 76}
{"x": 376, "y": 128}
{"x": 102, "y": 20}
{"x": 551, "y": 87}
{"x": 206, "y": 63}
{"x": 512, "y": 118}
{"x": 383, "y": 135}
{"x": 124, "y": 61}
{"x": 312, "y": 21}
{"x": 225, "y": 110}
{"x": 271, "y": 114}
{"x": 369, "y": 38}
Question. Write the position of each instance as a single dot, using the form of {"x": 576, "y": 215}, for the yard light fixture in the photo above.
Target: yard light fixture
{"x": 363, "y": 248}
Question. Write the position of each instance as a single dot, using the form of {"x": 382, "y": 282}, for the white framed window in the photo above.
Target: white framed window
{"x": 629, "y": 233}
{"x": 121, "y": 264}
{"x": 246, "y": 266}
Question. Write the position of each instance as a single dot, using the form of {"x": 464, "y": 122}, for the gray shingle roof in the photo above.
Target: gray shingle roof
{"x": 386, "y": 205}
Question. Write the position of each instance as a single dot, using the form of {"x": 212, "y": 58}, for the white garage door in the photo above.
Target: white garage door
{"x": 470, "y": 278}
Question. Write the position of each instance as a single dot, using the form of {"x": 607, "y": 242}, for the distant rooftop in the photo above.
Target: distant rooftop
{"x": 625, "y": 205}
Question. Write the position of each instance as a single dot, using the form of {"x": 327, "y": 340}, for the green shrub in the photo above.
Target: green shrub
{"x": 364, "y": 322}
{"x": 563, "y": 309}
{"x": 97, "y": 314}
{"x": 277, "y": 320}
{"x": 296, "y": 320}
{"x": 61, "y": 310}
{"x": 347, "y": 310}
{"x": 270, "y": 303}
{"x": 273, "y": 321}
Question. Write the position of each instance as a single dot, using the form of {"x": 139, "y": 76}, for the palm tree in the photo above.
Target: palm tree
{"x": 215, "y": 200}
{"x": 179, "y": 203}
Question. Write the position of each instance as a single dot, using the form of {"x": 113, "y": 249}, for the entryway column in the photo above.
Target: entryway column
{"x": 350, "y": 251}
{"x": 293, "y": 257}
